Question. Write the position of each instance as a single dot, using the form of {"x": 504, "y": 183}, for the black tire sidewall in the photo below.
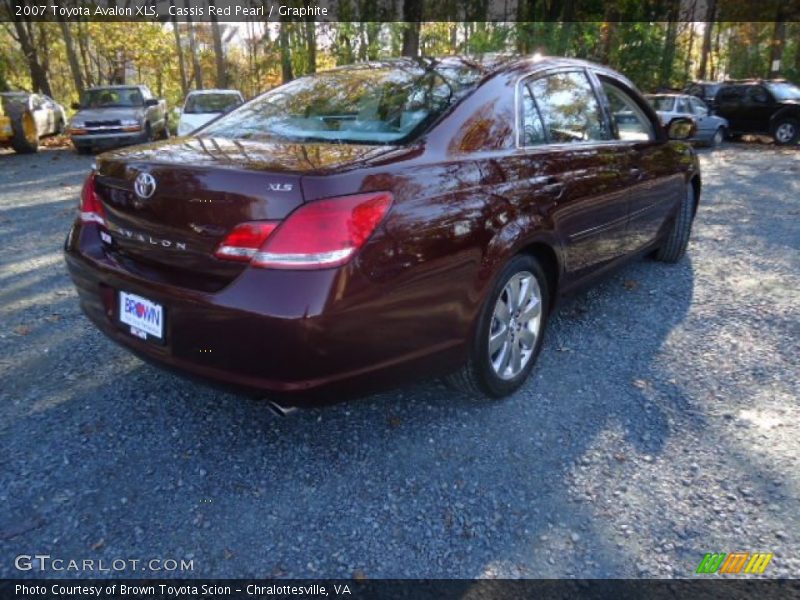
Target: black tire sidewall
{"x": 488, "y": 380}
{"x": 714, "y": 142}
{"x": 19, "y": 142}
{"x": 794, "y": 139}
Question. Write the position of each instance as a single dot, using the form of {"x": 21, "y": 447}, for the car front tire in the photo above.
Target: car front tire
{"x": 509, "y": 333}
{"x": 674, "y": 247}
{"x": 786, "y": 132}
{"x": 26, "y": 136}
{"x": 718, "y": 137}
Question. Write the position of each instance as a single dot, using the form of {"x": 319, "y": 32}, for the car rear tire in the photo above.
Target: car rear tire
{"x": 509, "y": 332}
{"x": 674, "y": 247}
{"x": 786, "y": 132}
{"x": 26, "y": 136}
{"x": 718, "y": 137}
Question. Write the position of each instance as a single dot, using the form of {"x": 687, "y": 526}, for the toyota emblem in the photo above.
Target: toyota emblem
{"x": 145, "y": 185}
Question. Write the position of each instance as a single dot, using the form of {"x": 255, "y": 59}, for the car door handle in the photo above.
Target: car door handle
{"x": 554, "y": 187}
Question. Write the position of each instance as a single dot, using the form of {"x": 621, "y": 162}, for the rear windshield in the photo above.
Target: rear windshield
{"x": 366, "y": 104}
{"x": 662, "y": 103}
{"x": 112, "y": 97}
{"x": 210, "y": 103}
{"x": 784, "y": 91}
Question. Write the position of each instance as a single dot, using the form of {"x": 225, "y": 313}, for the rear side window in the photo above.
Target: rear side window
{"x": 757, "y": 95}
{"x": 730, "y": 94}
{"x": 568, "y": 108}
{"x": 698, "y": 107}
{"x": 532, "y": 132}
{"x": 630, "y": 122}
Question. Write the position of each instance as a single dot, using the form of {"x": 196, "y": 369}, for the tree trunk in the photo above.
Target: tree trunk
{"x": 412, "y": 15}
{"x": 311, "y": 45}
{"x": 607, "y": 30}
{"x": 72, "y": 57}
{"x": 219, "y": 51}
{"x": 179, "y": 52}
{"x": 706, "y": 50}
{"x": 198, "y": 71}
{"x": 690, "y": 25}
{"x": 797, "y": 51}
{"x": 668, "y": 55}
{"x": 776, "y": 47}
{"x": 38, "y": 73}
{"x": 286, "y": 57}
{"x": 715, "y": 63}
{"x": 85, "y": 62}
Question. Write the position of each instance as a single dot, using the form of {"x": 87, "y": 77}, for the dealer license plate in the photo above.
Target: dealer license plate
{"x": 144, "y": 317}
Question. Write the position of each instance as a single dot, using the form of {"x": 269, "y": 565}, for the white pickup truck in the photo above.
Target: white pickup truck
{"x": 117, "y": 115}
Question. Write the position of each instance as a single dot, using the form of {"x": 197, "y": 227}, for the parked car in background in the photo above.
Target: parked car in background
{"x": 763, "y": 107}
{"x": 117, "y": 115}
{"x": 201, "y": 106}
{"x": 381, "y": 221}
{"x": 33, "y": 116}
{"x": 706, "y": 91}
{"x": 710, "y": 128}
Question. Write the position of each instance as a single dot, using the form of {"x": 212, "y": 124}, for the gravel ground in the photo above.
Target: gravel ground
{"x": 662, "y": 422}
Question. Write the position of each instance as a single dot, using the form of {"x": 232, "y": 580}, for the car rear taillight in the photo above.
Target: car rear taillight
{"x": 321, "y": 234}
{"x": 91, "y": 206}
{"x": 245, "y": 240}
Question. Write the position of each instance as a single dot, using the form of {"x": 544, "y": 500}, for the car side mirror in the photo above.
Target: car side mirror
{"x": 681, "y": 129}
{"x": 151, "y": 102}
{"x": 76, "y": 106}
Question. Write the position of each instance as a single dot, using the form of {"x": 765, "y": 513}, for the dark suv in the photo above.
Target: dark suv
{"x": 705, "y": 90}
{"x": 761, "y": 107}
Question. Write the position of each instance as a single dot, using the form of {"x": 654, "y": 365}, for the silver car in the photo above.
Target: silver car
{"x": 710, "y": 128}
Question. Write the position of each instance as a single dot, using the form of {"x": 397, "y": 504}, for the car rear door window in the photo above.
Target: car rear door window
{"x": 630, "y": 122}
{"x": 532, "y": 131}
{"x": 698, "y": 107}
{"x": 568, "y": 107}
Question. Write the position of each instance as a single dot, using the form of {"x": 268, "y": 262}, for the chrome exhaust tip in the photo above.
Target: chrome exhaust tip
{"x": 280, "y": 409}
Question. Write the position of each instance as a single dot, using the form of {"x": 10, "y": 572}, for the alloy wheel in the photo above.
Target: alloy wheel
{"x": 785, "y": 132}
{"x": 516, "y": 325}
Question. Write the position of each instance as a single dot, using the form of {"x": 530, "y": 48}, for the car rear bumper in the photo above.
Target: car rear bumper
{"x": 290, "y": 332}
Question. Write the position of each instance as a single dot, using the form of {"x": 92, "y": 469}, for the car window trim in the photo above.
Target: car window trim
{"x": 645, "y": 107}
{"x": 538, "y": 74}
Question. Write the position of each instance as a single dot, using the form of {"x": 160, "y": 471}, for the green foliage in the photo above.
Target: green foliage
{"x": 147, "y": 53}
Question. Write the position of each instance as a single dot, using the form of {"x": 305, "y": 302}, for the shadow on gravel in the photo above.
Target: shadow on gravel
{"x": 411, "y": 482}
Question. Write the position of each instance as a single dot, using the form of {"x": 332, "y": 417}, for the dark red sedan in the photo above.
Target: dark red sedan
{"x": 380, "y": 221}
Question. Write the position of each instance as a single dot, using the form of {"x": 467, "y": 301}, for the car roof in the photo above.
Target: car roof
{"x": 115, "y": 87}
{"x": 212, "y": 91}
{"x": 491, "y": 63}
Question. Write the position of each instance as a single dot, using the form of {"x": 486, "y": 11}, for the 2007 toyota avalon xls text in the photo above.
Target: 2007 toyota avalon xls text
{"x": 356, "y": 227}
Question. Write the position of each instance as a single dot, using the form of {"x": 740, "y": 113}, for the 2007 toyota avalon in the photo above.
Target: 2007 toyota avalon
{"x": 376, "y": 222}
